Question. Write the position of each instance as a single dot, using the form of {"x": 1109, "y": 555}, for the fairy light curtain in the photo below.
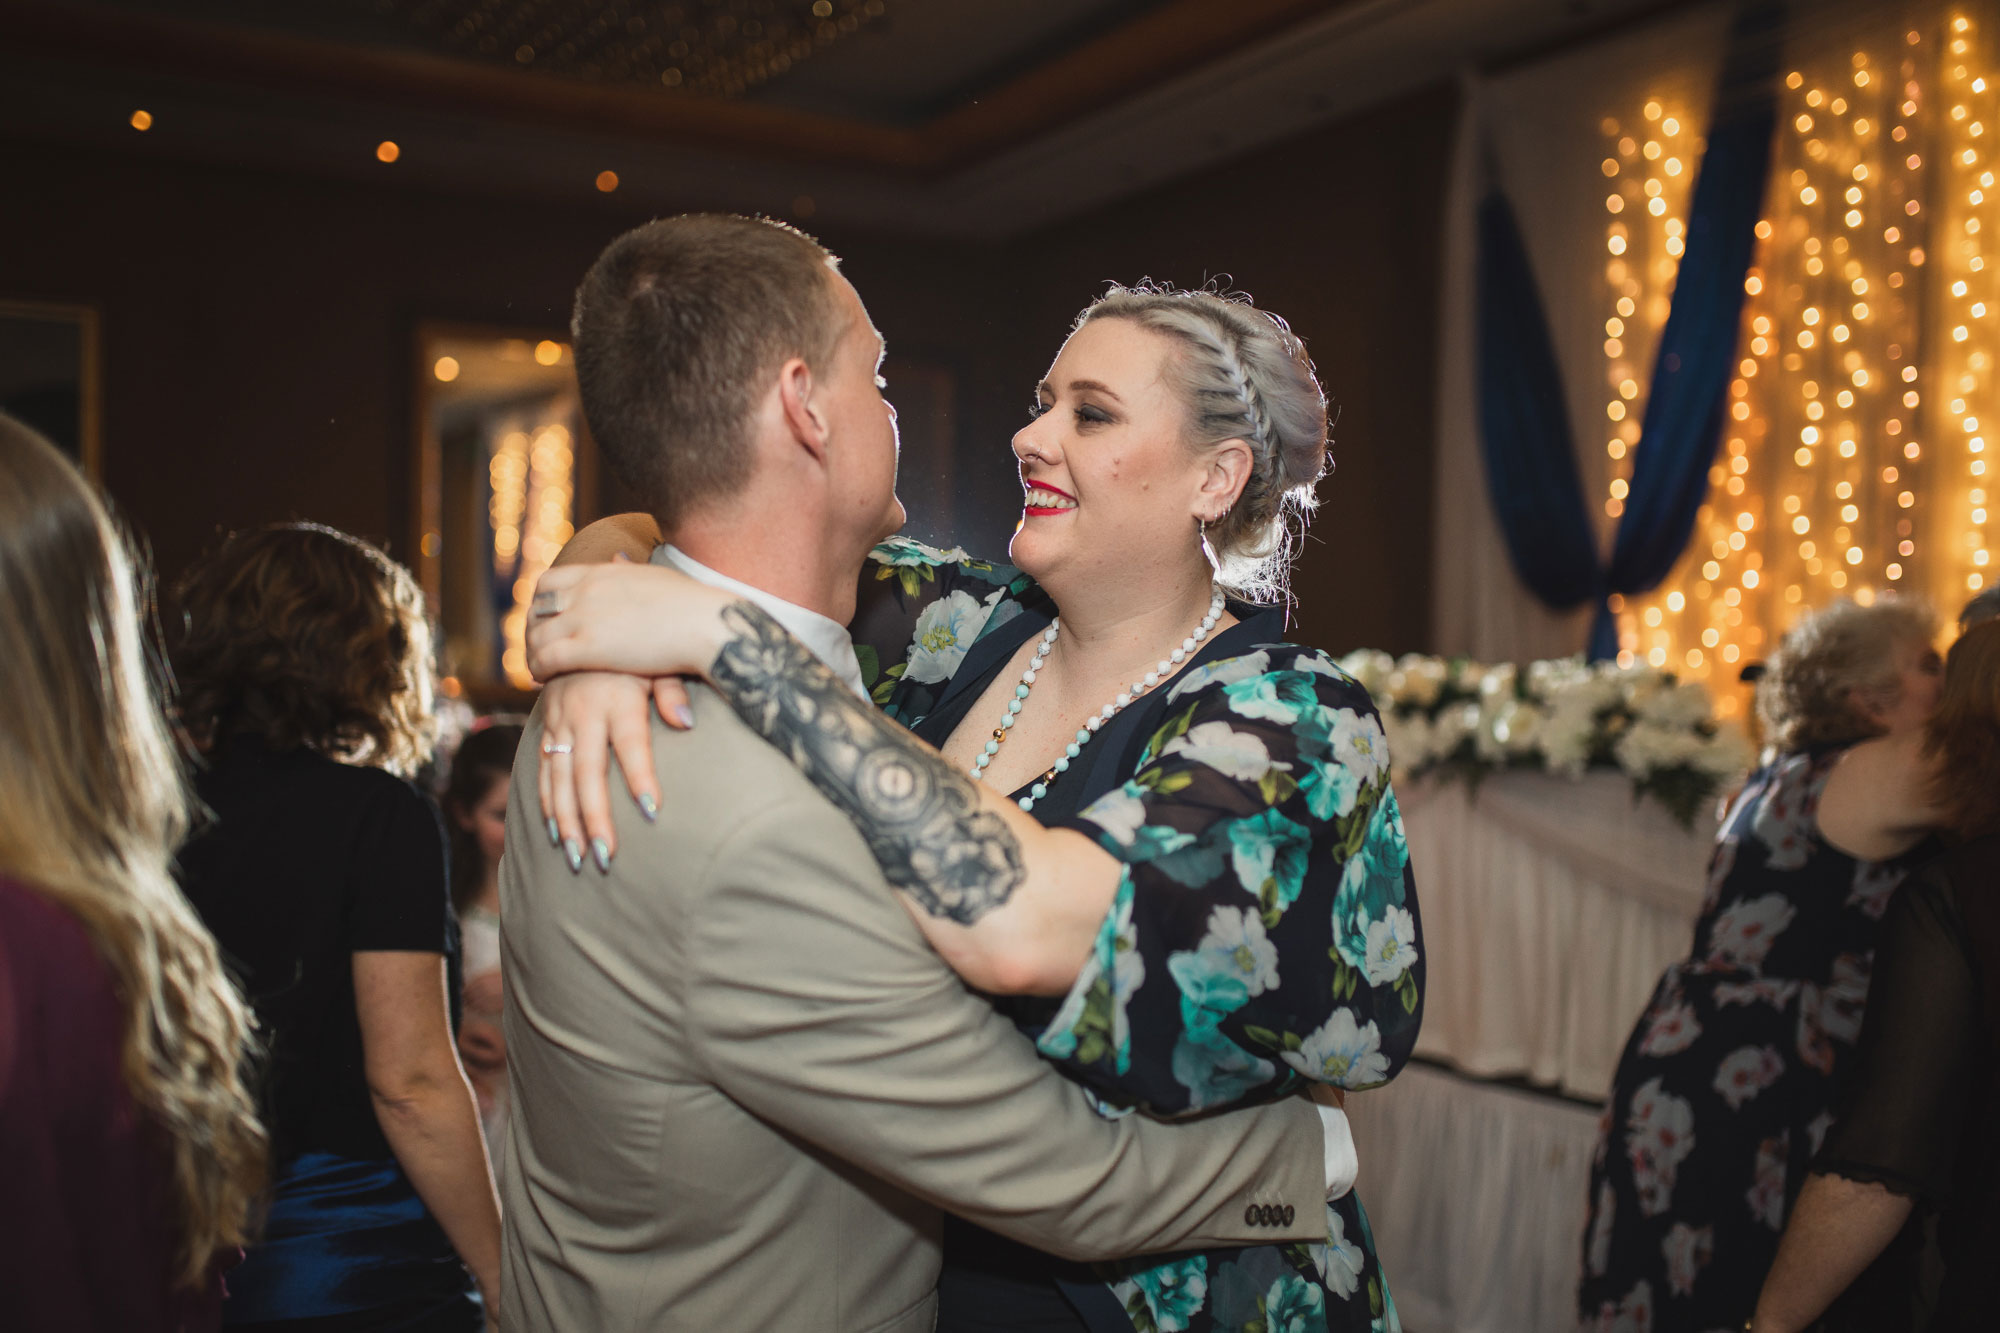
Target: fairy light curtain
{"x": 1856, "y": 451}
{"x": 1530, "y": 463}
{"x": 1539, "y": 130}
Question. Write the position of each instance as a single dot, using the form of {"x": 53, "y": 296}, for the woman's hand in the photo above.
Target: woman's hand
{"x": 646, "y": 620}
{"x": 598, "y": 715}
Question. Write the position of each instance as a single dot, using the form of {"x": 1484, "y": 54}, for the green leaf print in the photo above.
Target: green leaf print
{"x": 1406, "y": 990}
{"x": 1375, "y": 1297}
{"x": 887, "y": 685}
{"x": 870, "y": 662}
{"x": 1171, "y": 730}
{"x": 1276, "y": 787}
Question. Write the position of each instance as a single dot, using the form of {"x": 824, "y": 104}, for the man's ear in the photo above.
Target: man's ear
{"x": 802, "y": 415}
{"x": 1225, "y": 472}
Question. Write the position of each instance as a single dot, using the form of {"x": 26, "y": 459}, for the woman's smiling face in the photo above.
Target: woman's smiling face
{"x": 1109, "y": 479}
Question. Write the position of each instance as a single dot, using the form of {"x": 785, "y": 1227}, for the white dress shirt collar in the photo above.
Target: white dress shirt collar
{"x": 827, "y": 639}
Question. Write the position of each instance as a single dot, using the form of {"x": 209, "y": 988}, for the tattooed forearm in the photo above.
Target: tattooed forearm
{"x": 921, "y": 818}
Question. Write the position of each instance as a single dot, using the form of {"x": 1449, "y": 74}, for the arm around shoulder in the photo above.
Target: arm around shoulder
{"x": 818, "y": 1006}
{"x": 631, "y": 535}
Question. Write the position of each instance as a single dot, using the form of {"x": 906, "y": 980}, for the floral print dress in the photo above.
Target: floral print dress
{"x": 1265, "y": 929}
{"x": 1727, "y": 1083}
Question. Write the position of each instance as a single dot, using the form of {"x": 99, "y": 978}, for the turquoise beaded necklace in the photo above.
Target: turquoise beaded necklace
{"x": 1098, "y": 719}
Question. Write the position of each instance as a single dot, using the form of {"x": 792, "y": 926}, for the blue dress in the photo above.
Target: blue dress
{"x": 1728, "y": 1083}
{"x": 1264, "y": 932}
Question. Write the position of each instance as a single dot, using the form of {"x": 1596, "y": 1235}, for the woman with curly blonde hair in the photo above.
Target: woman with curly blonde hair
{"x": 305, "y": 668}
{"x": 132, "y": 1148}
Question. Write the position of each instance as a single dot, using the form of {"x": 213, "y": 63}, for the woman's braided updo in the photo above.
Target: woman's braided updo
{"x": 1243, "y": 375}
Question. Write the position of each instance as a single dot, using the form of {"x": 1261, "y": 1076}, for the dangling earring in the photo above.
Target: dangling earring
{"x": 1207, "y": 549}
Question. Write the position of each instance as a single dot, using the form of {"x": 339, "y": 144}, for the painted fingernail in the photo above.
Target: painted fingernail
{"x": 574, "y": 853}
{"x": 685, "y": 716}
{"x": 649, "y": 806}
{"x": 555, "y": 833}
{"x": 600, "y": 852}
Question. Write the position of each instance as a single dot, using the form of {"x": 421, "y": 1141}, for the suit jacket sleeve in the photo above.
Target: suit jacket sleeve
{"x": 819, "y": 1008}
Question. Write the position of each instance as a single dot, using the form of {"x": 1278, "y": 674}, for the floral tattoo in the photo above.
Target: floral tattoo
{"x": 920, "y": 817}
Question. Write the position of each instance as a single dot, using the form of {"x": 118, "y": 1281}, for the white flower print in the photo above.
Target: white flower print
{"x": 1816, "y": 1130}
{"x": 1763, "y": 990}
{"x": 1119, "y": 812}
{"x": 1226, "y": 672}
{"x": 1339, "y": 1261}
{"x": 1766, "y": 1195}
{"x": 1672, "y": 1030}
{"x": 1237, "y": 947}
{"x": 1744, "y": 932}
{"x": 1597, "y": 1255}
{"x": 1659, "y": 1136}
{"x": 1634, "y": 1314}
{"x": 1392, "y": 947}
{"x": 1341, "y": 1053}
{"x": 900, "y": 551}
{"x": 1784, "y": 824}
{"x": 1747, "y": 1071}
{"x": 1237, "y": 755}
{"x": 1320, "y": 665}
{"x": 1874, "y": 884}
{"x": 1687, "y": 1251}
{"x": 1832, "y": 1013}
{"x": 944, "y": 631}
{"x": 1357, "y": 741}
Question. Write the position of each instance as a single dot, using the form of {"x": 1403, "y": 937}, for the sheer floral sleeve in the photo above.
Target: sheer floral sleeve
{"x": 918, "y": 611}
{"x": 1265, "y": 928}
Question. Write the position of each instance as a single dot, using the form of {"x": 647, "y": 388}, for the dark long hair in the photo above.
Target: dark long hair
{"x": 486, "y": 757}
{"x": 1963, "y": 737}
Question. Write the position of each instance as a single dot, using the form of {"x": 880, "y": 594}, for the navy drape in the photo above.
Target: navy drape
{"x": 1525, "y": 438}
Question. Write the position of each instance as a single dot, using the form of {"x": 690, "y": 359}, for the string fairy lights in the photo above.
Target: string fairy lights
{"x": 532, "y": 484}
{"x": 1856, "y": 439}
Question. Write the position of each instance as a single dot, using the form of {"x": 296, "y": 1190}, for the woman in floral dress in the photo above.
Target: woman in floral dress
{"x": 1252, "y": 926}
{"x": 1726, "y": 1086}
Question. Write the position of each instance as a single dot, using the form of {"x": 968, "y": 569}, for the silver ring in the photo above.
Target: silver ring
{"x": 543, "y": 605}
{"x": 553, "y": 747}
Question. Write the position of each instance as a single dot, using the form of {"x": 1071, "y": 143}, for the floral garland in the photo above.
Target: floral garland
{"x": 1465, "y": 720}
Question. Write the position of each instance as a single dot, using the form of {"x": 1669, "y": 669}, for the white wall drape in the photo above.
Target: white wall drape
{"x": 1544, "y": 126}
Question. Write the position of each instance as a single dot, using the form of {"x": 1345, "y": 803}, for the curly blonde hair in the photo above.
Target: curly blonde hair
{"x": 1834, "y": 666}
{"x": 93, "y": 803}
{"x": 307, "y": 636}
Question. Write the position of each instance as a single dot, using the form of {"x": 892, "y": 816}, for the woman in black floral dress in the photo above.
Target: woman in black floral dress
{"x": 1259, "y": 931}
{"x": 1727, "y": 1083}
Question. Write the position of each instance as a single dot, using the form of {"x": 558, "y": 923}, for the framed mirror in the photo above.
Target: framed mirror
{"x": 505, "y": 473}
{"x": 49, "y": 375}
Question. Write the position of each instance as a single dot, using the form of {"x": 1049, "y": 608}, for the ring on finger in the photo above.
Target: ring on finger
{"x": 557, "y": 747}
{"x": 543, "y": 605}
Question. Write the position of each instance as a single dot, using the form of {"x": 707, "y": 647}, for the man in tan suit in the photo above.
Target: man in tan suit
{"x": 744, "y": 1086}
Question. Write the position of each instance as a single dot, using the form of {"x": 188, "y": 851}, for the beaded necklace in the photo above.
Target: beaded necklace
{"x": 1097, "y": 719}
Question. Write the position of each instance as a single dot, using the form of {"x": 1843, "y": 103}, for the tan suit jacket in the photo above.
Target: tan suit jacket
{"x": 744, "y": 1086}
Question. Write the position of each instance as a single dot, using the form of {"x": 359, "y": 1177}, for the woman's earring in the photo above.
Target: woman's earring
{"x": 1207, "y": 549}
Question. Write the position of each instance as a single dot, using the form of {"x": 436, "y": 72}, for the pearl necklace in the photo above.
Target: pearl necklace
{"x": 1097, "y": 719}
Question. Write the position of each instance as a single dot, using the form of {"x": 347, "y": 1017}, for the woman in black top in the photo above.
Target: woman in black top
{"x": 1916, "y": 1135}
{"x": 304, "y": 673}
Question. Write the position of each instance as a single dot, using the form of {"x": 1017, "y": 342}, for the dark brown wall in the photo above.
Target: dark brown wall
{"x": 1339, "y": 232}
{"x": 257, "y": 330}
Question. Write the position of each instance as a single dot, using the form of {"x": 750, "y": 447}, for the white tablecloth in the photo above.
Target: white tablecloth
{"x": 1475, "y": 1194}
{"x": 1550, "y": 907}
